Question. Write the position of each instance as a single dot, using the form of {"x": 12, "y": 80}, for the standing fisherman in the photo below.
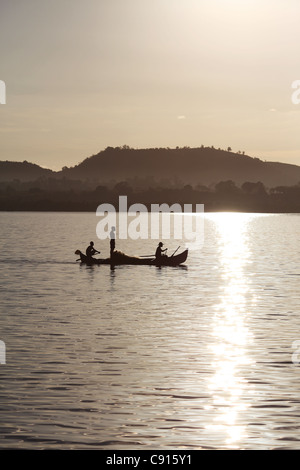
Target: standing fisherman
{"x": 112, "y": 240}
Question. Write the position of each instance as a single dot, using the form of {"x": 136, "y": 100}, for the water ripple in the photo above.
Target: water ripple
{"x": 201, "y": 358}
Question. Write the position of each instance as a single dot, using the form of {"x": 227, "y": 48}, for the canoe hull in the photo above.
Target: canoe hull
{"x": 120, "y": 258}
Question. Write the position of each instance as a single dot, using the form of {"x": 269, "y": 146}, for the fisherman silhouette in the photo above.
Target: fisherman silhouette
{"x": 159, "y": 251}
{"x": 90, "y": 251}
{"x": 112, "y": 240}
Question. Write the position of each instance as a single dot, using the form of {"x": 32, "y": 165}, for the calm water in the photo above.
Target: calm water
{"x": 201, "y": 357}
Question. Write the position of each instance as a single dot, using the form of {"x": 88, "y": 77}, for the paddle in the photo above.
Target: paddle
{"x": 153, "y": 256}
{"x": 77, "y": 252}
{"x": 175, "y": 251}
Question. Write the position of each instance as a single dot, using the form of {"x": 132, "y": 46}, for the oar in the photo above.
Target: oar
{"x": 147, "y": 256}
{"x": 175, "y": 251}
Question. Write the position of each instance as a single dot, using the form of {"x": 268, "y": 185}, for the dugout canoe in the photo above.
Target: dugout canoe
{"x": 119, "y": 258}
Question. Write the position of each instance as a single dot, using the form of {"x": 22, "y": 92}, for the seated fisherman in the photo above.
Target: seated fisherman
{"x": 90, "y": 251}
{"x": 159, "y": 251}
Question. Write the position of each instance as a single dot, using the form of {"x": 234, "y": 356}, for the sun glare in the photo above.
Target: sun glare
{"x": 230, "y": 332}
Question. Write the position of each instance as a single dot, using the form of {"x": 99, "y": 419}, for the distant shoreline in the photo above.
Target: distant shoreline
{"x": 219, "y": 179}
{"x": 68, "y": 196}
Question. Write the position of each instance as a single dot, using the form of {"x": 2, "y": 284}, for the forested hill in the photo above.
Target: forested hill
{"x": 168, "y": 167}
{"x": 23, "y": 171}
{"x": 193, "y": 166}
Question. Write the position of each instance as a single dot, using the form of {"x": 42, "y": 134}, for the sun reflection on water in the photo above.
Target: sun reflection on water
{"x": 230, "y": 333}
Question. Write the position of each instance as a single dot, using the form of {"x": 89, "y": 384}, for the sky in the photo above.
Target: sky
{"x": 84, "y": 75}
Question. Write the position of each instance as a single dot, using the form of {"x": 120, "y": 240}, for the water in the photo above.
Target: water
{"x": 201, "y": 357}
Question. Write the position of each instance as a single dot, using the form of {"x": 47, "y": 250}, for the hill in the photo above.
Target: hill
{"x": 195, "y": 166}
{"x": 23, "y": 171}
{"x": 164, "y": 167}
{"x": 219, "y": 179}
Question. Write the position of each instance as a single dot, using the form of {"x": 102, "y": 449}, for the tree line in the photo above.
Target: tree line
{"x": 67, "y": 195}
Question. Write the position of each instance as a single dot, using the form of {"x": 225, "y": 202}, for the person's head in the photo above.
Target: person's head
{"x": 160, "y": 244}
{"x": 92, "y": 243}
{"x": 113, "y": 229}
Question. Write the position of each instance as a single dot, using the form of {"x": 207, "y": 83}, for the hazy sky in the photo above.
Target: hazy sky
{"x": 82, "y": 75}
